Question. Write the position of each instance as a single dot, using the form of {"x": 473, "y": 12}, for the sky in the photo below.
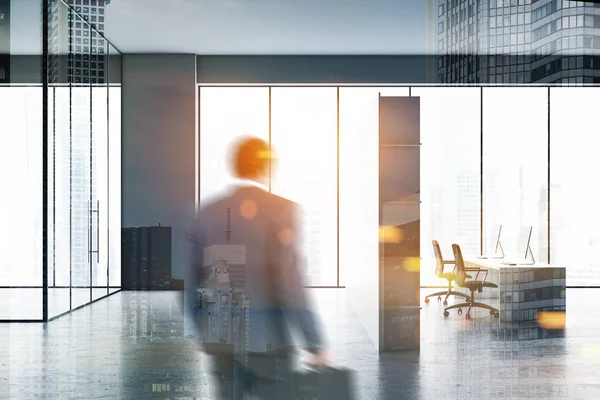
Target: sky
{"x": 215, "y": 27}
{"x": 245, "y": 27}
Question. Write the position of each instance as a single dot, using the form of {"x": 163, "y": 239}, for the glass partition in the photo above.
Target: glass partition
{"x": 450, "y": 173}
{"x": 21, "y": 211}
{"x": 495, "y": 136}
{"x": 227, "y": 114}
{"x": 304, "y": 138}
{"x": 515, "y": 166}
{"x": 574, "y": 217}
{"x": 358, "y": 178}
{"x": 84, "y": 164}
{"x": 114, "y": 187}
{"x": 59, "y": 220}
{"x": 80, "y": 171}
{"x": 21, "y": 165}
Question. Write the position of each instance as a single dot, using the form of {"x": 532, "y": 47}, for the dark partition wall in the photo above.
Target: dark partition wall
{"x": 399, "y": 221}
{"x": 159, "y": 147}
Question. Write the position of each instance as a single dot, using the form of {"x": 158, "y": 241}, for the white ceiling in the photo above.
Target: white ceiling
{"x": 267, "y": 26}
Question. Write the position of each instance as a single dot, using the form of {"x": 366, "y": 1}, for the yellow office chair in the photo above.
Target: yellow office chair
{"x": 449, "y": 276}
{"x": 473, "y": 285}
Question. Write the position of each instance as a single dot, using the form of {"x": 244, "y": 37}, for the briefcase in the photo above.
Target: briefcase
{"x": 325, "y": 384}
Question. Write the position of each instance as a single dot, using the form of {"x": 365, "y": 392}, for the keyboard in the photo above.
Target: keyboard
{"x": 516, "y": 262}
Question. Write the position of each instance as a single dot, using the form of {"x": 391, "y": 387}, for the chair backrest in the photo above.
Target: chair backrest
{"x": 460, "y": 265}
{"x": 439, "y": 260}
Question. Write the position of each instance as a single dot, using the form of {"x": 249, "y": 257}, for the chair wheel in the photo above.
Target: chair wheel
{"x": 460, "y": 311}
{"x": 446, "y": 313}
{"x": 439, "y": 298}
{"x": 445, "y": 303}
{"x": 468, "y": 316}
{"x": 426, "y": 300}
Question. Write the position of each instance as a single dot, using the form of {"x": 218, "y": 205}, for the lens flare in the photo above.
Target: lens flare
{"x": 412, "y": 264}
{"x": 390, "y": 234}
{"x": 552, "y": 319}
{"x": 266, "y": 155}
{"x": 248, "y": 209}
{"x": 286, "y": 236}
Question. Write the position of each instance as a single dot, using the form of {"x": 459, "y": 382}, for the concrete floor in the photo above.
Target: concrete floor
{"x": 130, "y": 346}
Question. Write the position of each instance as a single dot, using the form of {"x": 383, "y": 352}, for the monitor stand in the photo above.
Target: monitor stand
{"x": 495, "y": 256}
{"x": 529, "y": 253}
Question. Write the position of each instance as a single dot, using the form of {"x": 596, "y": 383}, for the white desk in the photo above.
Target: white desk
{"x": 495, "y": 266}
{"x": 523, "y": 291}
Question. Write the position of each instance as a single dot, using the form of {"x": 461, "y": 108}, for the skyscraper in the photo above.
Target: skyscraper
{"x": 160, "y": 257}
{"x": 4, "y": 41}
{"x": 146, "y": 258}
{"x": 518, "y": 41}
{"x": 129, "y": 259}
{"x": 87, "y": 41}
{"x": 77, "y": 49}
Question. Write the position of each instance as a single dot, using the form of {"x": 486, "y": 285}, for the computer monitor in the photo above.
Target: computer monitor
{"x": 496, "y": 232}
{"x": 523, "y": 243}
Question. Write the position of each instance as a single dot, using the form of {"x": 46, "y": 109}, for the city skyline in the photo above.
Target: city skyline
{"x": 517, "y": 41}
{"x": 146, "y": 258}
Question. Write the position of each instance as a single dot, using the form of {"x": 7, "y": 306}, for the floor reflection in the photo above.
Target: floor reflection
{"x": 131, "y": 345}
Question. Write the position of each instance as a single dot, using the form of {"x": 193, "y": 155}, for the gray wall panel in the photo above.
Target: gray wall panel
{"x": 311, "y": 69}
{"x": 158, "y": 153}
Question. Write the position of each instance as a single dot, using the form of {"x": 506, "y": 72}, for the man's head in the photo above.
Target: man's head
{"x": 251, "y": 158}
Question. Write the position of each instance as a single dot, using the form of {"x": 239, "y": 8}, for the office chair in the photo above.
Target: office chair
{"x": 449, "y": 276}
{"x": 474, "y": 285}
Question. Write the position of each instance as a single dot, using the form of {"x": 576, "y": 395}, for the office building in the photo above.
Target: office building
{"x": 146, "y": 258}
{"x": 517, "y": 41}
{"x": 177, "y": 284}
{"x": 129, "y": 261}
{"x": 235, "y": 256}
{"x": 222, "y": 310}
{"x": 160, "y": 258}
{"x": 87, "y": 42}
{"x": 4, "y": 41}
{"x": 84, "y": 41}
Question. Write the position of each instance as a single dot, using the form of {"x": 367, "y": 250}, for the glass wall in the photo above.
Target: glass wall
{"x": 450, "y": 173}
{"x": 21, "y": 210}
{"x": 21, "y": 165}
{"x": 84, "y": 128}
{"x": 80, "y": 124}
{"x": 359, "y": 178}
{"x": 326, "y": 138}
{"x": 114, "y": 176}
{"x": 227, "y": 114}
{"x": 515, "y": 167}
{"x": 574, "y": 216}
{"x": 304, "y": 138}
